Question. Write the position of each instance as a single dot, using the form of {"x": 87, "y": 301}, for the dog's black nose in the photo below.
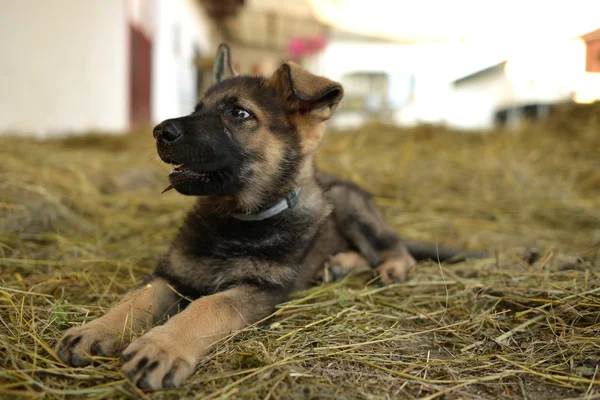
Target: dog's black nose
{"x": 166, "y": 132}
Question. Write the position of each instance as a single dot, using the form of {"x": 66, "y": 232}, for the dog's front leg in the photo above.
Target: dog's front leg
{"x": 106, "y": 336}
{"x": 166, "y": 355}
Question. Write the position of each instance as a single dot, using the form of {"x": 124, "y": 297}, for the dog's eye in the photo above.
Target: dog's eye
{"x": 239, "y": 113}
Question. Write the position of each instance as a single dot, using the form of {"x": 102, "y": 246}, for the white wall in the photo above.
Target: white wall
{"x": 546, "y": 72}
{"x": 173, "y": 75}
{"x": 475, "y": 100}
{"x": 540, "y": 73}
{"x": 343, "y": 56}
{"x": 537, "y": 71}
{"x": 588, "y": 88}
{"x": 63, "y": 66}
{"x": 432, "y": 66}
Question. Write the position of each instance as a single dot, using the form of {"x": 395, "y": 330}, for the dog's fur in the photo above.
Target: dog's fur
{"x": 250, "y": 142}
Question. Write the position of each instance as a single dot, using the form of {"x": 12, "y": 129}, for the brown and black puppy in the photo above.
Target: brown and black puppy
{"x": 265, "y": 223}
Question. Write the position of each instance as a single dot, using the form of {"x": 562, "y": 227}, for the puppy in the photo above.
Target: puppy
{"x": 265, "y": 224}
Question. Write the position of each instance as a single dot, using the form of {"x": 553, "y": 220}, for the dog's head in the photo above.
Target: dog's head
{"x": 248, "y": 137}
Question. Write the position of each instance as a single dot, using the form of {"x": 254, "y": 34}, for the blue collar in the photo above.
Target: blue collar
{"x": 289, "y": 201}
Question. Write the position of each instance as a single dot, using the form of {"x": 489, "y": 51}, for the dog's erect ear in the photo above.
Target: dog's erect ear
{"x": 222, "y": 68}
{"x": 306, "y": 93}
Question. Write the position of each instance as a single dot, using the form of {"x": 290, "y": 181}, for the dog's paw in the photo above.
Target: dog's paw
{"x": 331, "y": 273}
{"x": 157, "y": 361}
{"x": 86, "y": 344}
{"x": 340, "y": 265}
{"x": 395, "y": 269}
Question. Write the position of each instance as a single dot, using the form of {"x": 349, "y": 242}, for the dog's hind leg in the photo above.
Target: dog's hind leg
{"x": 106, "y": 336}
{"x": 363, "y": 225}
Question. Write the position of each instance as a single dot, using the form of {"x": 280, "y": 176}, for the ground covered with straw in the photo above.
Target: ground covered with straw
{"x": 82, "y": 220}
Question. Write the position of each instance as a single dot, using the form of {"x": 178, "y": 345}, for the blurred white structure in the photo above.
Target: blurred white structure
{"x": 422, "y": 85}
{"x": 417, "y": 74}
{"x": 75, "y": 66}
{"x": 527, "y": 84}
{"x": 72, "y": 66}
{"x": 180, "y": 35}
{"x": 372, "y": 71}
{"x": 437, "y": 42}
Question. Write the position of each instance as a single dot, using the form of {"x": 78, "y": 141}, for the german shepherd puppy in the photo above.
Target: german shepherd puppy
{"x": 266, "y": 222}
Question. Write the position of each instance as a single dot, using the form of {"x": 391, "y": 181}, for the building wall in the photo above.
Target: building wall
{"x": 419, "y": 76}
{"x": 255, "y": 61}
{"x": 589, "y": 86}
{"x": 549, "y": 73}
{"x": 593, "y": 56}
{"x": 475, "y": 100}
{"x": 344, "y": 57}
{"x": 545, "y": 74}
{"x": 180, "y": 28}
{"x": 63, "y": 67}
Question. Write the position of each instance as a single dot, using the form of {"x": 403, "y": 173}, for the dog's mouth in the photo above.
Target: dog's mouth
{"x": 182, "y": 169}
{"x": 183, "y": 175}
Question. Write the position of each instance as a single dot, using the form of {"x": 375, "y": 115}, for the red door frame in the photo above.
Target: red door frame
{"x": 140, "y": 77}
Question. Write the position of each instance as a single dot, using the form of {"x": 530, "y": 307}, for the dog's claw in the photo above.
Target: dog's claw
{"x": 127, "y": 357}
{"x": 153, "y": 362}
{"x": 81, "y": 344}
{"x": 168, "y": 380}
{"x": 96, "y": 350}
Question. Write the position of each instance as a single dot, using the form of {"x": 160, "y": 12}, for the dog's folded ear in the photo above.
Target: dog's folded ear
{"x": 305, "y": 92}
{"x": 223, "y": 68}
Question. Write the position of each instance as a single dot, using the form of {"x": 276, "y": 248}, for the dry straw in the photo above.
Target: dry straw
{"x": 82, "y": 220}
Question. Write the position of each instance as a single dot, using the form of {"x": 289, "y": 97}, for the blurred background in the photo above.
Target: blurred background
{"x": 71, "y": 66}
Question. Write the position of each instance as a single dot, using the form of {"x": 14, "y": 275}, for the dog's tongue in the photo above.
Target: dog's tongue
{"x": 167, "y": 189}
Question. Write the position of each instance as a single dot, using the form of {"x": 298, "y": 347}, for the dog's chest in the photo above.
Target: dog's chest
{"x": 277, "y": 240}
{"x": 207, "y": 257}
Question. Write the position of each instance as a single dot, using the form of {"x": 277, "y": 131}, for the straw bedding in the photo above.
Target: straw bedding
{"x": 82, "y": 220}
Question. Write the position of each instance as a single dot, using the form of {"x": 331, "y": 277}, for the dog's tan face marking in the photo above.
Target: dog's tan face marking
{"x": 263, "y": 170}
{"x": 269, "y": 150}
{"x": 312, "y": 132}
{"x": 106, "y": 336}
{"x": 167, "y": 355}
{"x": 263, "y": 153}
